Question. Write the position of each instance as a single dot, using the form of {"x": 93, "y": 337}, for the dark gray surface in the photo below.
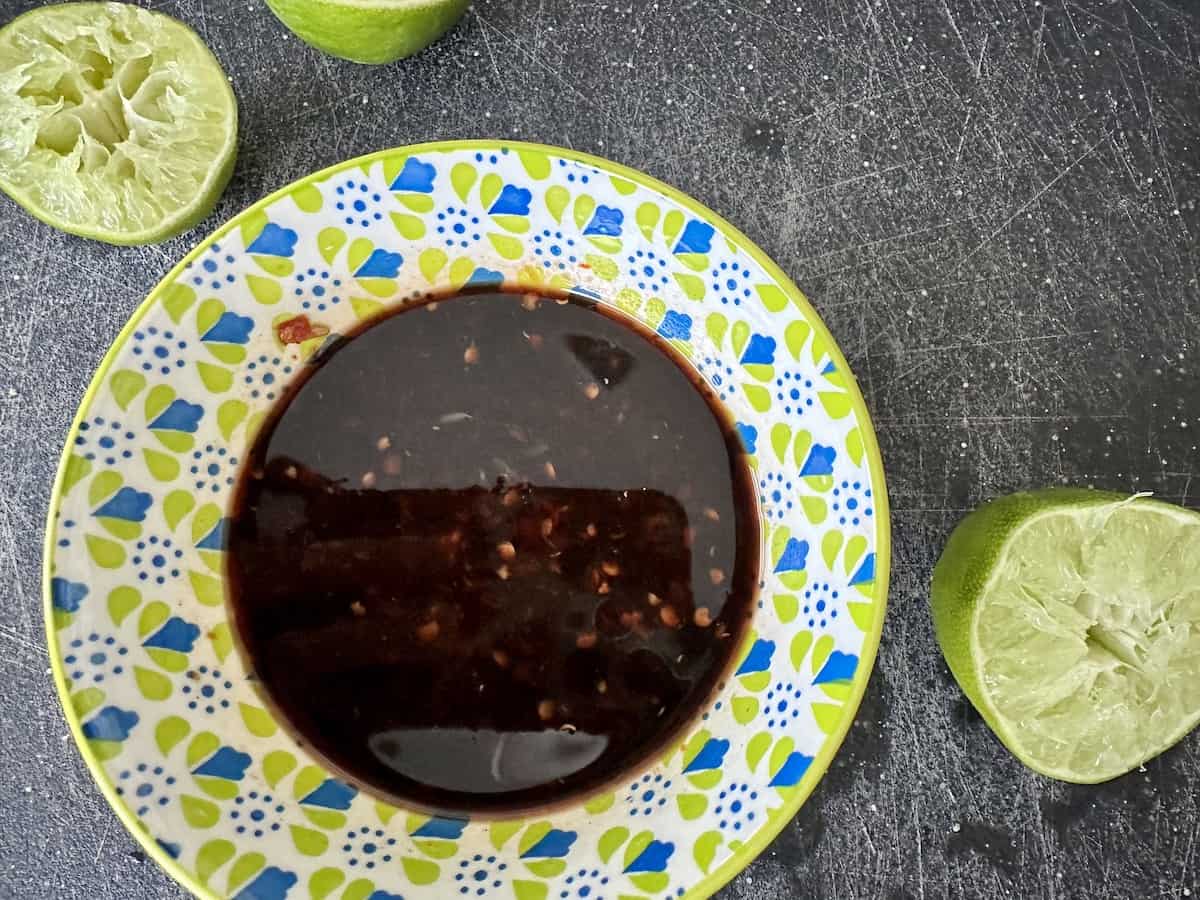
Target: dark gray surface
{"x": 991, "y": 202}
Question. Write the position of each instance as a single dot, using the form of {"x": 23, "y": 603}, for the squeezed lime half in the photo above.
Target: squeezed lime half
{"x": 1071, "y": 620}
{"x": 369, "y": 31}
{"x": 119, "y": 124}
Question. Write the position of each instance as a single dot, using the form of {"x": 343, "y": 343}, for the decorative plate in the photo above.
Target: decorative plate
{"x": 143, "y": 656}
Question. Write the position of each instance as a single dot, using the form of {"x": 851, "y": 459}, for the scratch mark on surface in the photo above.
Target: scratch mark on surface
{"x": 1030, "y": 202}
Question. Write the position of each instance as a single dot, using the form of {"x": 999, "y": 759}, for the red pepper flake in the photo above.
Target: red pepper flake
{"x": 299, "y": 329}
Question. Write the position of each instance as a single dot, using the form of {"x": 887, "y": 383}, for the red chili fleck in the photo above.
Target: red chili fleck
{"x": 299, "y": 329}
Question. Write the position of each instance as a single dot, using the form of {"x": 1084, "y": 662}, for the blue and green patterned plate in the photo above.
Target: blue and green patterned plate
{"x": 156, "y": 696}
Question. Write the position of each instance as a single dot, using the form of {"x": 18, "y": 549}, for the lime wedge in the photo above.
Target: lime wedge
{"x": 119, "y": 124}
{"x": 1071, "y": 619}
{"x": 369, "y": 31}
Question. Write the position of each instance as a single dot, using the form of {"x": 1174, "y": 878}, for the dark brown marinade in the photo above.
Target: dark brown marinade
{"x": 490, "y": 552}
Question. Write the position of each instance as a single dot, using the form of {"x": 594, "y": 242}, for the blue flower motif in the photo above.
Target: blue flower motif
{"x": 749, "y": 436}
{"x": 270, "y": 884}
{"x": 794, "y": 390}
{"x": 230, "y": 329}
{"x": 99, "y": 657}
{"x": 161, "y": 350}
{"x": 105, "y": 440}
{"x": 839, "y": 667}
{"x": 731, "y": 282}
{"x": 606, "y": 221}
{"x": 441, "y": 827}
{"x": 852, "y": 502}
{"x": 478, "y": 874}
{"x": 711, "y": 755}
{"x": 865, "y": 573}
{"x": 226, "y": 763}
{"x": 174, "y": 634}
{"x": 758, "y": 659}
{"x": 696, "y": 238}
{"x": 207, "y": 690}
{"x": 760, "y": 351}
{"x": 127, "y": 504}
{"x": 110, "y": 724}
{"x": 368, "y": 848}
{"x": 157, "y": 559}
{"x": 513, "y": 201}
{"x": 360, "y": 204}
{"x": 213, "y": 468}
{"x": 819, "y": 461}
{"x": 274, "y": 241}
{"x": 647, "y": 794}
{"x": 215, "y": 539}
{"x": 735, "y": 807}
{"x": 794, "y": 558}
{"x": 67, "y": 595}
{"x": 675, "y": 325}
{"x": 416, "y": 177}
{"x": 584, "y": 884}
{"x": 775, "y": 495}
{"x": 256, "y": 814}
{"x": 482, "y": 276}
{"x": 380, "y": 264}
{"x": 554, "y": 843}
{"x": 649, "y": 270}
{"x": 457, "y": 227}
{"x": 792, "y": 770}
{"x": 179, "y": 416}
{"x": 331, "y": 794}
{"x": 216, "y": 270}
{"x": 821, "y": 604}
{"x": 138, "y": 786}
{"x": 318, "y": 288}
{"x": 719, "y": 375}
{"x": 781, "y": 705}
{"x": 652, "y": 859}
{"x": 554, "y": 249}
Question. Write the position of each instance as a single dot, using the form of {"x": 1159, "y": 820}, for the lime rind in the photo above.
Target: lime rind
{"x": 119, "y": 123}
{"x": 369, "y": 31}
{"x": 1068, "y": 618}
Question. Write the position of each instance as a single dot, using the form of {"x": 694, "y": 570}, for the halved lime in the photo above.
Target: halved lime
{"x": 118, "y": 123}
{"x": 369, "y": 31}
{"x": 1071, "y": 619}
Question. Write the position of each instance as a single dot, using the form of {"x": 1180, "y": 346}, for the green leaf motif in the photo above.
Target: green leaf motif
{"x": 308, "y": 198}
{"x": 125, "y": 385}
{"x": 177, "y": 298}
{"x": 216, "y": 378}
{"x": 258, "y": 721}
{"x": 508, "y": 247}
{"x": 610, "y": 841}
{"x": 462, "y": 177}
{"x": 153, "y": 685}
{"x": 266, "y": 291}
{"x": 244, "y": 869}
{"x": 329, "y": 242}
{"x": 536, "y": 163}
{"x": 211, "y": 857}
{"x": 121, "y": 602}
{"x": 489, "y": 189}
{"x": 693, "y": 285}
{"x": 324, "y": 882}
{"x": 420, "y": 871}
{"x": 198, "y": 812}
{"x": 169, "y": 732}
{"x": 705, "y": 850}
{"x": 557, "y": 199}
{"x": 104, "y": 553}
{"x": 309, "y": 842}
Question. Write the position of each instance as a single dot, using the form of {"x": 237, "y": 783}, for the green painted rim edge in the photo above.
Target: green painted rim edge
{"x": 752, "y": 848}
